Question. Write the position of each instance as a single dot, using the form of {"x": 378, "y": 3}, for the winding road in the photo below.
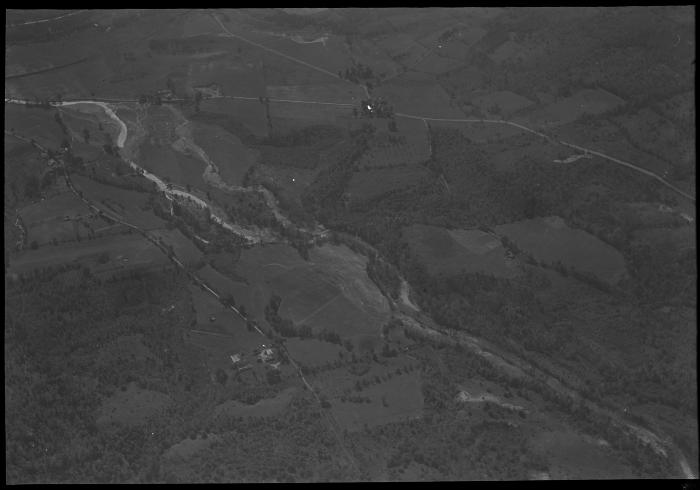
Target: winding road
{"x": 662, "y": 445}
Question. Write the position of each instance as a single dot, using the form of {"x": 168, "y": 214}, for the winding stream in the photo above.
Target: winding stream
{"x": 408, "y": 312}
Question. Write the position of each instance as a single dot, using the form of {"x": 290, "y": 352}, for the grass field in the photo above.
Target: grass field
{"x": 233, "y": 75}
{"x": 217, "y": 349}
{"x": 569, "y": 109}
{"x": 416, "y": 93}
{"x": 313, "y": 352}
{"x": 122, "y": 202}
{"x": 132, "y": 406}
{"x": 183, "y": 247}
{"x": 550, "y": 240}
{"x": 287, "y": 115}
{"x": 235, "y": 114}
{"x": 330, "y": 291}
{"x": 225, "y": 321}
{"x": 507, "y": 103}
{"x": 44, "y": 220}
{"x": 572, "y": 456}
{"x": 231, "y": 157}
{"x": 448, "y": 252}
{"x": 399, "y": 398}
{"x": 127, "y": 348}
{"x": 134, "y": 248}
{"x": 172, "y": 165}
{"x": 34, "y": 123}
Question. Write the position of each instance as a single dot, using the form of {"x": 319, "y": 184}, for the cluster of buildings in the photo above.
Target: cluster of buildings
{"x": 264, "y": 354}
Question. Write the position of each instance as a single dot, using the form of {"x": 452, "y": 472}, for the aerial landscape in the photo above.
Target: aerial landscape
{"x": 350, "y": 244}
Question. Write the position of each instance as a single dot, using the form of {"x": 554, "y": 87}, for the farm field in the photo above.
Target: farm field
{"x": 339, "y": 92}
{"x": 124, "y": 203}
{"x": 367, "y": 282}
{"x": 550, "y": 240}
{"x": 450, "y": 252}
{"x": 132, "y": 248}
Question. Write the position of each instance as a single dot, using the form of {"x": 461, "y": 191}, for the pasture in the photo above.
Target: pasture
{"x": 234, "y": 116}
{"x": 550, "y": 240}
{"x": 370, "y": 54}
{"x": 444, "y": 251}
{"x": 399, "y": 398}
{"x": 313, "y": 352}
{"x": 331, "y": 291}
{"x": 287, "y": 115}
{"x": 582, "y": 103}
{"x": 481, "y": 132}
{"x": 102, "y": 128}
{"x": 37, "y": 124}
{"x": 133, "y": 251}
{"x": 573, "y": 456}
{"x": 171, "y": 165}
{"x": 45, "y": 220}
{"x": 182, "y": 246}
{"x": 331, "y": 56}
{"x": 126, "y": 204}
{"x": 125, "y": 349}
{"x": 419, "y": 94}
{"x": 233, "y": 75}
{"x": 217, "y": 349}
{"x": 214, "y": 317}
{"x": 132, "y": 406}
{"x": 503, "y": 103}
{"x": 227, "y": 152}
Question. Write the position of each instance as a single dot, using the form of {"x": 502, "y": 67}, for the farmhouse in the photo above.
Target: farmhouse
{"x": 266, "y": 353}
